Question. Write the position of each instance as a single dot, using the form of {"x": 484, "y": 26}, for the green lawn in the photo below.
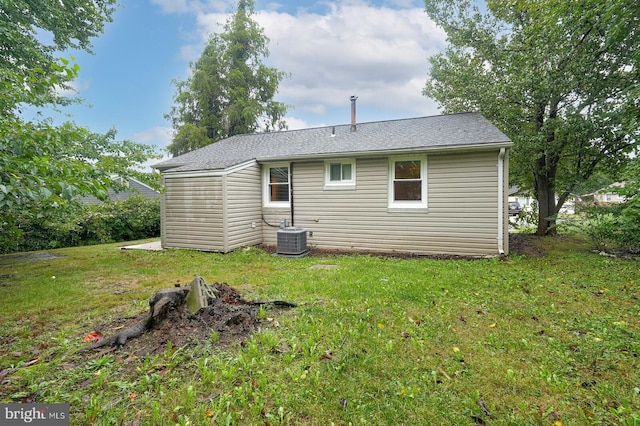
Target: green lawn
{"x": 521, "y": 341}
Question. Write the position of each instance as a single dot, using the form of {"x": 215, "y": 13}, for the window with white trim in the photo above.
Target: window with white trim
{"x": 276, "y": 186}
{"x": 408, "y": 182}
{"x": 340, "y": 174}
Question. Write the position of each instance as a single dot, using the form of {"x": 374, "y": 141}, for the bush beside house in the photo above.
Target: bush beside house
{"x": 81, "y": 224}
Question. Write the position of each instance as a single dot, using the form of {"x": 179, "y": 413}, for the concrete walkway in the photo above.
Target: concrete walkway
{"x": 154, "y": 246}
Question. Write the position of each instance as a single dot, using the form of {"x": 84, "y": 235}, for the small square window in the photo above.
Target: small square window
{"x": 340, "y": 174}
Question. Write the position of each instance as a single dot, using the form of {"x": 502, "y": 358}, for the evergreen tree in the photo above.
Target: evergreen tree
{"x": 230, "y": 90}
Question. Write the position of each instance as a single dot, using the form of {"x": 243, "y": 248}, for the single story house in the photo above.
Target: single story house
{"x": 523, "y": 198}
{"x": 427, "y": 186}
{"x": 134, "y": 188}
{"x": 607, "y": 195}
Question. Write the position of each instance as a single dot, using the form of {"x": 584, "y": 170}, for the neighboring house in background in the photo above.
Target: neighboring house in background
{"x": 526, "y": 201}
{"x": 430, "y": 185}
{"x": 521, "y": 197}
{"x": 135, "y": 187}
{"x": 605, "y": 195}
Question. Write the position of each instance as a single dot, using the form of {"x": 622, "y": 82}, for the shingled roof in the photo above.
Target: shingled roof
{"x": 412, "y": 134}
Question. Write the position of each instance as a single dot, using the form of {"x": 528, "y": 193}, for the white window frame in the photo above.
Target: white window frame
{"x": 408, "y": 204}
{"x": 342, "y": 183}
{"x": 266, "y": 187}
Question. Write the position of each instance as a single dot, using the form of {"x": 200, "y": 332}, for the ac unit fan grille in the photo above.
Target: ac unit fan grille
{"x": 291, "y": 241}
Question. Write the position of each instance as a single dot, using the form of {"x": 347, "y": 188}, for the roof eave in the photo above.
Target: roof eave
{"x": 209, "y": 172}
{"x": 162, "y": 167}
{"x": 386, "y": 152}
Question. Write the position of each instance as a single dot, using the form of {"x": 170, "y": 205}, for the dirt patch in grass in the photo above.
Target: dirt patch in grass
{"x": 228, "y": 319}
{"x": 28, "y": 257}
{"x": 525, "y": 245}
{"x": 317, "y": 252}
{"x": 519, "y": 244}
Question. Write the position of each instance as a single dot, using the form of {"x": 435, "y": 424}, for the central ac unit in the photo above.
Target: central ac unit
{"x": 292, "y": 241}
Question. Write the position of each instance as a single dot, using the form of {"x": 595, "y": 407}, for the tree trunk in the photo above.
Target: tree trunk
{"x": 547, "y": 213}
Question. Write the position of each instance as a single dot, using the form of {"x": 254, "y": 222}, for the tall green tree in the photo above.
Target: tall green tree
{"x": 230, "y": 90}
{"x": 42, "y": 165}
{"x": 560, "y": 78}
{"x": 33, "y": 32}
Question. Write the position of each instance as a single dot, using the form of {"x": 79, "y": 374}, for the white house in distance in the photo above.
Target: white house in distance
{"x": 428, "y": 185}
{"x": 524, "y": 199}
{"x": 606, "y": 195}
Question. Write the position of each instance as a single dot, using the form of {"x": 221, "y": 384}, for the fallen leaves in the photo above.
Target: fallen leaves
{"x": 4, "y": 373}
{"x": 327, "y": 356}
{"x": 444, "y": 373}
{"x": 484, "y": 408}
{"x": 94, "y": 336}
{"x": 67, "y": 366}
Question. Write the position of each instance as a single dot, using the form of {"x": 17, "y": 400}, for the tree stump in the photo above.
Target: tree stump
{"x": 194, "y": 310}
{"x": 159, "y": 305}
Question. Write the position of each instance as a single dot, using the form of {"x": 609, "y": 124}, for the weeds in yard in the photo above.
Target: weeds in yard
{"x": 544, "y": 340}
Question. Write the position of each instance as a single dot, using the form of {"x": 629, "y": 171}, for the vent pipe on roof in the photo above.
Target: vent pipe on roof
{"x": 353, "y": 113}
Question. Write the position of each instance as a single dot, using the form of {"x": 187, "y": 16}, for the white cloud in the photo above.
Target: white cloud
{"x": 193, "y": 6}
{"x": 295, "y": 123}
{"x": 352, "y": 48}
{"x": 74, "y": 88}
{"x": 379, "y": 54}
{"x": 190, "y": 52}
{"x": 159, "y": 136}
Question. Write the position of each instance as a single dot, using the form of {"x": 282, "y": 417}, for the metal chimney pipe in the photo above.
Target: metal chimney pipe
{"x": 353, "y": 113}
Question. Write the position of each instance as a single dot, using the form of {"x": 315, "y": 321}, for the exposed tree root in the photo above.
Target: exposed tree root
{"x": 222, "y": 310}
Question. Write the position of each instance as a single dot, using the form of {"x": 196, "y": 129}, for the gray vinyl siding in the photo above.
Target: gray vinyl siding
{"x": 462, "y": 214}
{"x": 217, "y": 213}
{"x": 192, "y": 213}
{"x": 244, "y": 204}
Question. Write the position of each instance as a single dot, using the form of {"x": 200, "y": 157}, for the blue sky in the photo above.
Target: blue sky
{"x": 376, "y": 50}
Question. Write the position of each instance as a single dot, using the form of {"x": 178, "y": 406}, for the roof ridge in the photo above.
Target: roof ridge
{"x": 329, "y": 126}
{"x": 412, "y": 133}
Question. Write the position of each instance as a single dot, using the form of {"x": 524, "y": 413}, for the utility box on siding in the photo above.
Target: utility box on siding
{"x": 292, "y": 241}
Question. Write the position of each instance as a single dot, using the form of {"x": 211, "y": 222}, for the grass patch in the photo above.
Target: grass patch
{"x": 526, "y": 340}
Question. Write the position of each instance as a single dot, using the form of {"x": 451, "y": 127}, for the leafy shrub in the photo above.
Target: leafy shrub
{"x": 48, "y": 228}
{"x": 614, "y": 228}
{"x": 599, "y": 226}
{"x": 527, "y": 219}
{"x": 132, "y": 219}
{"x": 78, "y": 224}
